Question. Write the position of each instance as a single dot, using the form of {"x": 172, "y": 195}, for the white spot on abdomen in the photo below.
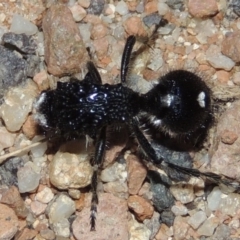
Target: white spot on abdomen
{"x": 201, "y": 99}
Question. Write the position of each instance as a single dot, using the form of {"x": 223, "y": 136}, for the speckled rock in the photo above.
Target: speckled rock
{"x": 8, "y": 228}
{"x": 22, "y": 25}
{"x": 65, "y": 52}
{"x": 134, "y": 26}
{"x": 208, "y": 227}
{"x": 61, "y": 208}
{"x": 197, "y": 219}
{"x": 18, "y": 100}
{"x": 10, "y": 76}
{"x": 228, "y": 137}
{"x": 70, "y": 170}
{"x": 138, "y": 231}
{"x": 112, "y": 212}
{"x": 225, "y": 159}
{"x": 220, "y": 61}
{"x": 78, "y": 12}
{"x": 141, "y": 207}
{"x": 137, "y": 172}
{"x": 45, "y": 196}
{"x": 183, "y": 192}
{"x": 13, "y": 198}
{"x": 231, "y": 46}
{"x": 202, "y": 8}
{"x": 116, "y": 171}
{"x": 28, "y": 178}
{"x": 27, "y": 233}
{"x": 180, "y": 228}
{"x": 6, "y": 138}
{"x": 230, "y": 205}
{"x": 38, "y": 207}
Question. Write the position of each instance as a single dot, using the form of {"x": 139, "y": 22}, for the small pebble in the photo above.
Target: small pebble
{"x": 45, "y": 196}
{"x": 62, "y": 228}
{"x": 121, "y": 8}
{"x": 8, "y": 228}
{"x": 61, "y": 208}
{"x": 141, "y": 207}
{"x": 138, "y": 230}
{"x": 208, "y": 227}
{"x": 228, "y": 137}
{"x": 78, "y": 12}
{"x": 137, "y": 173}
{"x": 202, "y": 8}
{"x": 179, "y": 209}
{"x": 214, "y": 199}
{"x": 221, "y": 62}
{"x": 47, "y": 234}
{"x": 22, "y": 25}
{"x": 115, "y": 172}
{"x": 28, "y": 179}
{"x": 197, "y": 219}
{"x": 183, "y": 193}
{"x": 70, "y": 170}
{"x": 6, "y": 138}
{"x": 38, "y": 207}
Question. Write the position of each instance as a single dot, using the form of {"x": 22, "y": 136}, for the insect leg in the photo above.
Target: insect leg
{"x": 96, "y": 162}
{"x": 126, "y": 57}
{"x": 165, "y": 164}
{"x": 93, "y": 75}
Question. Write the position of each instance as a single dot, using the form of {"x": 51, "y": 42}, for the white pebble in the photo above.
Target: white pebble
{"x": 62, "y": 208}
{"x": 214, "y": 199}
{"x": 70, "y": 170}
{"x": 6, "y": 138}
{"x": 197, "y": 219}
{"x": 113, "y": 173}
{"x": 62, "y": 228}
{"x": 45, "y": 196}
{"x": 220, "y": 61}
{"x": 28, "y": 179}
{"x": 21, "y": 25}
{"x": 162, "y": 8}
{"x": 17, "y": 105}
{"x": 121, "y": 8}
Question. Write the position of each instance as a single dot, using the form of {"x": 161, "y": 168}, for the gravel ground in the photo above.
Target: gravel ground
{"x": 44, "y": 186}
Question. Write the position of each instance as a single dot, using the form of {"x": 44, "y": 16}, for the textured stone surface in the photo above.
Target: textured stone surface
{"x": 202, "y": 8}
{"x": 70, "y": 170}
{"x": 18, "y": 100}
{"x": 13, "y": 198}
{"x": 231, "y": 46}
{"x": 137, "y": 172}
{"x": 111, "y": 220}
{"x": 227, "y": 156}
{"x": 8, "y": 228}
{"x": 61, "y": 208}
{"x": 65, "y": 52}
{"x": 141, "y": 207}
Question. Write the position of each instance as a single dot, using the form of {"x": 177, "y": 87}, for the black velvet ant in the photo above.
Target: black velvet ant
{"x": 179, "y": 103}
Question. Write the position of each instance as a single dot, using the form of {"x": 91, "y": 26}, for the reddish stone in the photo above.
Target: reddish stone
{"x": 141, "y": 207}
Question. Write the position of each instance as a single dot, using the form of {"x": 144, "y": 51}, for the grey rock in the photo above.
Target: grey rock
{"x": 96, "y": 7}
{"x": 175, "y": 4}
{"x": 13, "y": 69}
{"x": 28, "y": 179}
{"x": 162, "y": 197}
{"x": 61, "y": 208}
{"x": 8, "y": 171}
{"x": 21, "y": 42}
{"x": 222, "y": 232}
{"x": 152, "y": 19}
{"x": 153, "y": 224}
{"x": 167, "y": 217}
